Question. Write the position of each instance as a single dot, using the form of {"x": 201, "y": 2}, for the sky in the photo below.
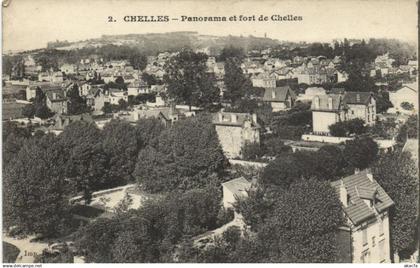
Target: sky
{"x": 29, "y": 24}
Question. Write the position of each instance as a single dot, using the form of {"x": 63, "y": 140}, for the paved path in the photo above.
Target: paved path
{"x": 28, "y": 249}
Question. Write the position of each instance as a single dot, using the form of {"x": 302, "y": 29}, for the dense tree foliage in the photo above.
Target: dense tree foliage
{"x": 187, "y": 80}
{"x": 347, "y": 128}
{"x": 186, "y": 156}
{"x": 360, "y": 152}
{"x": 150, "y": 234}
{"x": 76, "y": 104}
{"x": 34, "y": 192}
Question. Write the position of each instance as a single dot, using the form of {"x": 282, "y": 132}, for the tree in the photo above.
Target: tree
{"x": 28, "y": 111}
{"x": 280, "y": 173}
{"x": 40, "y": 106}
{"x": 121, "y": 145}
{"x": 86, "y": 161}
{"x": 76, "y": 104}
{"x": 330, "y": 162}
{"x": 35, "y": 199}
{"x": 236, "y": 82}
{"x": 188, "y": 81}
{"x": 398, "y": 175}
{"x": 409, "y": 130}
{"x": 303, "y": 224}
{"x": 251, "y": 151}
{"x": 148, "y": 131}
{"x": 139, "y": 62}
{"x": 360, "y": 152}
{"x": 274, "y": 146}
{"x": 231, "y": 52}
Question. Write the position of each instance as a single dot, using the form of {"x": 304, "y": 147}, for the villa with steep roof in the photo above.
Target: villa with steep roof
{"x": 326, "y": 111}
{"x": 361, "y": 105}
{"x": 365, "y": 206}
{"x": 280, "y": 98}
{"x": 235, "y": 130}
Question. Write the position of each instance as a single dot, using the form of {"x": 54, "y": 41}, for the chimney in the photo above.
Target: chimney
{"x": 330, "y": 103}
{"x": 356, "y": 171}
{"x": 273, "y": 94}
{"x": 343, "y": 194}
{"x": 220, "y": 117}
{"x": 234, "y": 118}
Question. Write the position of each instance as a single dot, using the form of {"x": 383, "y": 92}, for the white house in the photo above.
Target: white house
{"x": 365, "y": 205}
{"x": 326, "y": 111}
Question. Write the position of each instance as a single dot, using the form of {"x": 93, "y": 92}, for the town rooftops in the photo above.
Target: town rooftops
{"x": 364, "y": 197}
{"x": 234, "y": 119}
{"x": 238, "y": 186}
{"x": 351, "y": 97}
{"x": 278, "y": 94}
{"x": 330, "y": 102}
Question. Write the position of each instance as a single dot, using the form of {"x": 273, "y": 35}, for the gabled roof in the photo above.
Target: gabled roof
{"x": 233, "y": 119}
{"x": 238, "y": 186}
{"x": 280, "y": 94}
{"x": 351, "y": 97}
{"x": 337, "y": 103}
{"x": 360, "y": 187}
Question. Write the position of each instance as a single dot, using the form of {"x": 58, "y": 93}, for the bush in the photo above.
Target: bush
{"x": 225, "y": 216}
{"x": 251, "y": 151}
{"x": 346, "y": 128}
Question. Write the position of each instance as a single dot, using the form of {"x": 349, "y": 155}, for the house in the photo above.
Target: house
{"x": 115, "y": 95}
{"x": 137, "y": 87}
{"x": 68, "y": 68}
{"x": 62, "y": 121}
{"x": 365, "y": 205}
{"x": 167, "y": 115}
{"x": 361, "y": 105}
{"x": 407, "y": 94}
{"x": 236, "y": 188}
{"x": 96, "y": 99}
{"x": 326, "y": 111}
{"x": 280, "y": 98}
{"x": 56, "y": 101}
{"x": 235, "y": 130}
{"x": 310, "y": 93}
{"x": 263, "y": 80}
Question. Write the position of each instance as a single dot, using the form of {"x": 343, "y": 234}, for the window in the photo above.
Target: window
{"x": 373, "y": 242}
{"x": 364, "y": 234}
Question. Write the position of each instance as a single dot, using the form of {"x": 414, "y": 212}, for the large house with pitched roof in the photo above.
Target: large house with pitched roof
{"x": 365, "y": 205}
{"x": 280, "y": 98}
{"x": 56, "y": 101}
{"x": 361, "y": 105}
{"x": 235, "y": 130}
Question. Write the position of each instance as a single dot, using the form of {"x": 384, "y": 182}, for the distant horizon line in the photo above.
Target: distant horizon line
{"x": 309, "y": 41}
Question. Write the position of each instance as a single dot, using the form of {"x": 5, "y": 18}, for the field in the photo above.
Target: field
{"x": 12, "y": 110}
{"x": 10, "y": 253}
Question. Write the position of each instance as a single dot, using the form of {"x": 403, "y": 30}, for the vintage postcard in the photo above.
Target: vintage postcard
{"x": 140, "y": 131}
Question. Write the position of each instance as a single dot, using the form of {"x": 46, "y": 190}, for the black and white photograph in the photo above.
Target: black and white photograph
{"x": 180, "y": 131}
